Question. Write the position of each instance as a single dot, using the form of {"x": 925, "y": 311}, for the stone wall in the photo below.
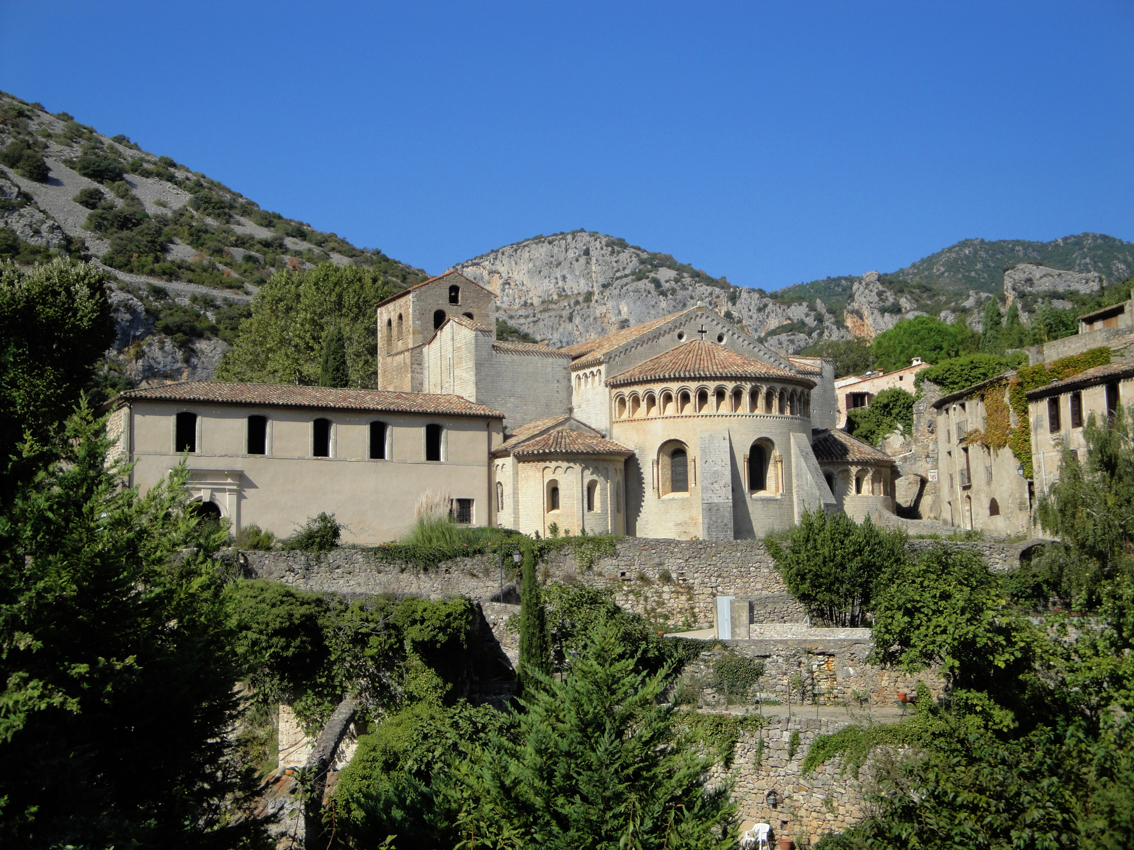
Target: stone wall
{"x": 828, "y": 665}
{"x": 671, "y": 581}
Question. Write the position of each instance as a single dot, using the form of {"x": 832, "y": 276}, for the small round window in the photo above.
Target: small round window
{"x": 680, "y": 336}
{"x": 720, "y": 337}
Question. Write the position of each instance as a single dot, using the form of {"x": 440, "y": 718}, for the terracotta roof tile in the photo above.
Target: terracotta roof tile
{"x": 700, "y": 359}
{"x": 1098, "y": 374}
{"x": 807, "y": 365}
{"x": 565, "y": 441}
{"x": 589, "y": 353}
{"x": 288, "y": 395}
{"x": 834, "y": 446}
{"x": 466, "y": 322}
{"x": 530, "y": 429}
{"x": 528, "y": 348}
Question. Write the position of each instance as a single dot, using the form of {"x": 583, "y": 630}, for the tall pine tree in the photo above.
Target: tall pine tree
{"x": 535, "y": 640}
{"x": 333, "y": 371}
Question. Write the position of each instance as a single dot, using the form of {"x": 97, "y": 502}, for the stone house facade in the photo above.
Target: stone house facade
{"x": 855, "y": 391}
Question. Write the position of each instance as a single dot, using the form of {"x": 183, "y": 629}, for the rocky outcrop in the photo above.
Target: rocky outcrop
{"x": 1028, "y": 279}
{"x": 874, "y": 308}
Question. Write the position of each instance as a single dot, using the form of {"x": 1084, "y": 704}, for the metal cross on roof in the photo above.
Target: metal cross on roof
{"x": 702, "y": 331}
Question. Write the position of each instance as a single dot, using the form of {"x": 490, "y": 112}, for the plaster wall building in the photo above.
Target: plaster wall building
{"x": 852, "y": 391}
{"x": 277, "y": 455}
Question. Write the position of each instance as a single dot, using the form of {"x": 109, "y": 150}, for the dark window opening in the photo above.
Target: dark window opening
{"x": 830, "y": 479}
{"x": 1076, "y": 410}
{"x": 185, "y": 440}
{"x": 468, "y": 316}
{"x": 553, "y": 498}
{"x": 757, "y": 468}
{"x": 454, "y": 294}
{"x": 321, "y": 438}
{"x": 858, "y": 400}
{"x": 462, "y": 511}
{"x": 389, "y": 332}
{"x": 679, "y": 471}
{"x": 438, "y": 319}
{"x": 993, "y": 508}
{"x": 1053, "y": 423}
{"x": 1111, "y": 400}
{"x": 592, "y": 490}
{"x": 433, "y": 442}
{"x": 400, "y": 325}
{"x": 499, "y": 496}
{"x": 205, "y": 511}
{"x": 377, "y": 440}
{"x": 257, "y": 435}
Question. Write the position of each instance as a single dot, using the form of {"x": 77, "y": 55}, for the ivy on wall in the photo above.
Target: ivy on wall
{"x": 999, "y": 432}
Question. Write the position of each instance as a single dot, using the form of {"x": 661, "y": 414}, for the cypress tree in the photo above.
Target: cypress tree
{"x": 333, "y": 371}
{"x": 535, "y": 640}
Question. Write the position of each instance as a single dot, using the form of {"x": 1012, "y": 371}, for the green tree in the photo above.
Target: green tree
{"x": 55, "y": 324}
{"x": 598, "y": 762}
{"x": 835, "y": 566}
{"x": 992, "y": 328}
{"x": 889, "y": 411}
{"x": 1015, "y": 334}
{"x": 961, "y": 372}
{"x": 535, "y": 641}
{"x": 1050, "y": 323}
{"x": 922, "y": 336}
{"x": 333, "y": 371}
{"x": 1090, "y": 511}
{"x": 283, "y": 340}
{"x": 850, "y": 356}
{"x": 117, "y": 676}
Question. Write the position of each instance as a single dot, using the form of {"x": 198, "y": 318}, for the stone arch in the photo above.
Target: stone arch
{"x": 667, "y": 404}
{"x": 993, "y": 507}
{"x": 754, "y": 396}
{"x": 454, "y": 294}
{"x": 469, "y": 316}
{"x": 720, "y": 400}
{"x": 702, "y": 400}
{"x": 620, "y": 406}
{"x": 673, "y": 468}
{"x": 862, "y": 482}
{"x": 439, "y": 317}
{"x": 389, "y": 334}
{"x": 551, "y": 496}
{"x": 650, "y": 403}
{"x": 635, "y": 404}
{"x": 762, "y": 467}
{"x": 593, "y": 496}
{"x": 770, "y": 400}
{"x": 684, "y": 401}
{"x": 737, "y": 400}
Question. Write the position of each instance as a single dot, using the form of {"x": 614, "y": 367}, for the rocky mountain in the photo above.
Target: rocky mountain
{"x": 187, "y": 253}
{"x": 572, "y": 286}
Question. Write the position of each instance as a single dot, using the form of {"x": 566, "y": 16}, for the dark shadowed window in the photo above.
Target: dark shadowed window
{"x": 185, "y": 439}
{"x": 1076, "y": 410}
{"x": 321, "y": 438}
{"x": 1053, "y": 414}
{"x": 377, "y": 440}
{"x": 257, "y": 435}
{"x": 433, "y": 442}
{"x": 679, "y": 471}
{"x": 454, "y": 294}
{"x": 553, "y": 497}
{"x": 592, "y": 495}
{"x": 462, "y": 511}
{"x": 757, "y": 468}
{"x": 438, "y": 319}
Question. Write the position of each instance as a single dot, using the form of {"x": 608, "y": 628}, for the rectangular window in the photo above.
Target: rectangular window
{"x": 462, "y": 511}
{"x": 1076, "y": 410}
{"x": 1111, "y": 400}
{"x": 257, "y": 435}
{"x": 185, "y": 436}
{"x": 433, "y": 442}
{"x": 1053, "y": 423}
{"x": 321, "y": 438}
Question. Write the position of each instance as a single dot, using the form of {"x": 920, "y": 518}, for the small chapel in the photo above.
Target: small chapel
{"x": 683, "y": 427}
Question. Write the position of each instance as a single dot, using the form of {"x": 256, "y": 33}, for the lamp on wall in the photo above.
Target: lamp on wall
{"x": 773, "y": 798}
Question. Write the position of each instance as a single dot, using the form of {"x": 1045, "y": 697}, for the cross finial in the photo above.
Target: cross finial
{"x": 702, "y": 331}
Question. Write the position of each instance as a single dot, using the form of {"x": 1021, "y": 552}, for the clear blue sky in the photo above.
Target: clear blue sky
{"x": 770, "y": 142}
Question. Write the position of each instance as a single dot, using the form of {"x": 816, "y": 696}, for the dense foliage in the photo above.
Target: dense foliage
{"x": 333, "y": 371}
{"x": 836, "y": 567}
{"x": 891, "y": 410}
{"x": 292, "y": 314}
{"x": 115, "y": 663}
{"x": 54, "y": 325}
{"x": 961, "y": 372}
{"x": 535, "y": 640}
{"x": 850, "y": 356}
{"x": 922, "y": 336}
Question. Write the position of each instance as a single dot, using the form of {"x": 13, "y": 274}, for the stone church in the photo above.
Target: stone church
{"x": 683, "y": 427}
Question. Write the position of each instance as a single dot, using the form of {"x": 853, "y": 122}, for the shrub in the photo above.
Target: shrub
{"x": 319, "y": 534}
{"x": 253, "y": 537}
{"x": 91, "y": 198}
{"x": 100, "y": 167}
{"x": 25, "y": 160}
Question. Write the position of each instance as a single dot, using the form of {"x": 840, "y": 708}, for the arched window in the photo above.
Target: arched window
{"x": 399, "y": 325}
{"x": 673, "y": 468}
{"x": 205, "y": 510}
{"x": 721, "y": 400}
{"x": 770, "y": 400}
{"x": 737, "y": 400}
{"x": 321, "y": 438}
{"x": 830, "y": 479}
{"x": 499, "y": 496}
{"x": 552, "y": 495}
{"x": 620, "y": 407}
{"x": 635, "y": 404}
{"x": 389, "y": 333}
{"x": 257, "y": 435}
{"x": 438, "y": 318}
{"x": 592, "y": 496}
{"x": 651, "y": 404}
{"x": 993, "y": 508}
{"x": 758, "y": 458}
{"x": 782, "y": 409}
{"x": 683, "y": 401}
{"x": 378, "y": 440}
{"x": 433, "y": 442}
{"x": 468, "y": 316}
{"x": 702, "y": 401}
{"x": 454, "y": 294}
{"x": 666, "y": 403}
{"x": 185, "y": 433}
{"x": 862, "y": 483}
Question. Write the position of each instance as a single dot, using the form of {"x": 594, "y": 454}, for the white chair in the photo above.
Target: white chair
{"x": 761, "y": 831}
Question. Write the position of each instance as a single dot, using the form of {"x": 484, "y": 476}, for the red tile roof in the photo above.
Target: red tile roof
{"x": 835, "y": 446}
{"x": 528, "y": 348}
{"x": 564, "y": 441}
{"x": 590, "y": 353}
{"x": 807, "y": 365}
{"x": 431, "y": 280}
{"x": 329, "y": 398}
{"x": 700, "y": 359}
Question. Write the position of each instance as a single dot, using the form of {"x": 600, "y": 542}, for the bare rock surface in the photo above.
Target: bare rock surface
{"x": 1028, "y": 279}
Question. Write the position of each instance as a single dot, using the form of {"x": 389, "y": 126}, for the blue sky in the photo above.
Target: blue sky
{"x": 772, "y": 143}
